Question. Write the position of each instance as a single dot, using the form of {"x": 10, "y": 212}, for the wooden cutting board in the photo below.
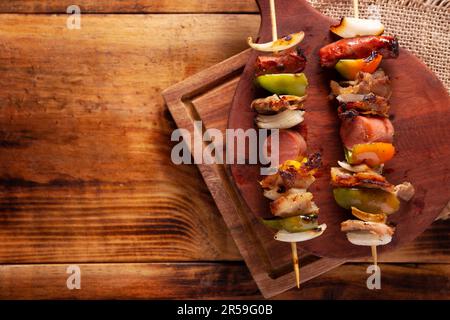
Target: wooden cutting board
{"x": 207, "y": 97}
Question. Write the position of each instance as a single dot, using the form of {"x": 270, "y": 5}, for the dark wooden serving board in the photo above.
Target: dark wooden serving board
{"x": 421, "y": 117}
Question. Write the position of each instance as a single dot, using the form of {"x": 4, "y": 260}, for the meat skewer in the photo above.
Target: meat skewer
{"x": 294, "y": 251}
{"x": 295, "y": 215}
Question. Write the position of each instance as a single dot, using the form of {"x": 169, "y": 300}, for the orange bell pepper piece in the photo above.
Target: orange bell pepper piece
{"x": 349, "y": 68}
{"x": 373, "y": 154}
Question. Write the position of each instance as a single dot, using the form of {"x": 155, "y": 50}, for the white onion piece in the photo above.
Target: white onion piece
{"x": 281, "y": 44}
{"x": 404, "y": 191}
{"x": 358, "y": 168}
{"x": 283, "y": 120}
{"x": 285, "y": 236}
{"x": 353, "y": 27}
{"x": 366, "y": 238}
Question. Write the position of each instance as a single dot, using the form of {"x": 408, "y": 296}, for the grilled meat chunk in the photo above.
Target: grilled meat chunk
{"x": 357, "y": 48}
{"x": 290, "y": 61}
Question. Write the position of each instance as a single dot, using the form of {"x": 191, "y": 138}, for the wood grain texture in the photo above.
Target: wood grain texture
{"x": 128, "y": 6}
{"x": 216, "y": 281}
{"x": 85, "y": 169}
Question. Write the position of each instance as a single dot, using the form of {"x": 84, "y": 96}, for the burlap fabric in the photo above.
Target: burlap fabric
{"x": 422, "y": 26}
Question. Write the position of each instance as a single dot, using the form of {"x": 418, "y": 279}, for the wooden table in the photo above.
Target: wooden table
{"x": 85, "y": 170}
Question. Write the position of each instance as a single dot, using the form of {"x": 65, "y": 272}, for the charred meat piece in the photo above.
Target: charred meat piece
{"x": 293, "y": 174}
{"x": 314, "y": 161}
{"x": 293, "y": 178}
{"x": 357, "y": 48}
{"x": 367, "y": 179}
{"x": 359, "y": 129}
{"x": 372, "y": 227}
{"x": 277, "y": 103}
{"x": 291, "y": 61}
{"x": 365, "y": 104}
{"x": 365, "y": 83}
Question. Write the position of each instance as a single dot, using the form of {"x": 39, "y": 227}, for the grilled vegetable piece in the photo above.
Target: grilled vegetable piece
{"x": 354, "y": 168}
{"x": 377, "y": 228}
{"x": 405, "y": 191}
{"x": 286, "y": 236}
{"x": 365, "y": 83}
{"x": 357, "y": 48}
{"x": 349, "y": 68}
{"x": 363, "y": 130}
{"x": 283, "y": 120}
{"x": 293, "y": 224}
{"x": 294, "y": 202}
{"x": 370, "y": 217}
{"x": 277, "y": 103}
{"x": 368, "y": 179}
{"x": 291, "y": 145}
{"x": 292, "y": 61}
{"x": 350, "y": 27}
{"x": 364, "y": 104}
{"x": 368, "y": 200}
{"x": 284, "y": 83}
{"x": 366, "y": 238}
{"x": 281, "y": 44}
{"x": 373, "y": 154}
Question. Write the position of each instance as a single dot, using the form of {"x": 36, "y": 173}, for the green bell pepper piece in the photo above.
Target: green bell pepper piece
{"x": 348, "y": 155}
{"x": 284, "y": 83}
{"x": 293, "y": 224}
{"x": 368, "y": 200}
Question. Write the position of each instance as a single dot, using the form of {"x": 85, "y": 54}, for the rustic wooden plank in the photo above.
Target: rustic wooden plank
{"x": 398, "y": 281}
{"x": 215, "y": 281}
{"x": 85, "y": 169}
{"x": 128, "y": 6}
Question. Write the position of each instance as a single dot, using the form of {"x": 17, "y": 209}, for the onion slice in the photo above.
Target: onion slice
{"x": 405, "y": 191}
{"x": 357, "y": 168}
{"x": 285, "y": 236}
{"x": 366, "y": 238}
{"x": 281, "y": 44}
{"x": 283, "y": 120}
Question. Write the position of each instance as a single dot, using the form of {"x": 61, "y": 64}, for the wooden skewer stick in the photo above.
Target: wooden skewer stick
{"x": 374, "y": 255}
{"x": 355, "y": 9}
{"x": 295, "y": 262}
{"x": 374, "y": 248}
{"x": 273, "y": 19}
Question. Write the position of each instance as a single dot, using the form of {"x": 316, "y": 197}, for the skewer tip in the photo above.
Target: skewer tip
{"x": 295, "y": 263}
{"x": 374, "y": 255}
